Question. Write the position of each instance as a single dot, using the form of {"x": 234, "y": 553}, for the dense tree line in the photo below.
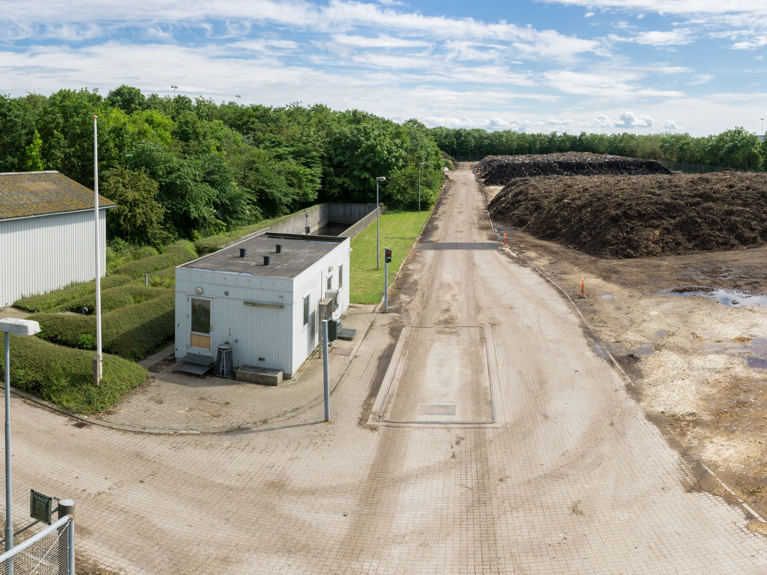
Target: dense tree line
{"x": 734, "y": 148}
{"x": 179, "y": 167}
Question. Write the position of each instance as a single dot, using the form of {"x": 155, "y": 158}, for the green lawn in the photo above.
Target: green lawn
{"x": 398, "y": 232}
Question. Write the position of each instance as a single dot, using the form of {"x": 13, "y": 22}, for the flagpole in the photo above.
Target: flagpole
{"x": 97, "y": 364}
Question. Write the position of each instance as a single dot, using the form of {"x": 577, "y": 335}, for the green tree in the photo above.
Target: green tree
{"x": 138, "y": 216}
{"x": 33, "y": 160}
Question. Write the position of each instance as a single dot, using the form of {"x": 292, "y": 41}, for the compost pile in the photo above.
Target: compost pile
{"x": 639, "y": 216}
{"x": 499, "y": 170}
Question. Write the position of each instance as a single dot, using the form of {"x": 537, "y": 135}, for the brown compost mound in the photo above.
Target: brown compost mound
{"x": 499, "y": 170}
{"x": 639, "y": 216}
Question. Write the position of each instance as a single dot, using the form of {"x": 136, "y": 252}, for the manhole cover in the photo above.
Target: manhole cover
{"x": 208, "y": 406}
{"x": 437, "y": 410}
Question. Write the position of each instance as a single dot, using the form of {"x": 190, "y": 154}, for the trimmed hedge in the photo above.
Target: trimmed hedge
{"x": 114, "y": 298}
{"x": 173, "y": 255}
{"x": 48, "y": 301}
{"x": 160, "y": 279}
{"x": 214, "y": 243}
{"x": 132, "y": 332}
{"x": 65, "y": 376}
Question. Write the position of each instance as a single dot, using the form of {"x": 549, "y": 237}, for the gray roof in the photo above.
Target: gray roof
{"x": 24, "y": 194}
{"x": 298, "y": 253}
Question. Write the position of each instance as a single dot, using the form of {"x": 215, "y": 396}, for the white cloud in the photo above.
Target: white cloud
{"x": 630, "y": 120}
{"x": 680, "y": 36}
{"x": 701, "y": 79}
{"x": 615, "y": 83}
{"x": 671, "y": 126}
{"x": 588, "y": 15}
{"x": 384, "y": 41}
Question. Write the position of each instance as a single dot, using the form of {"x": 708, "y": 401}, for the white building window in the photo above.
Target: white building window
{"x": 306, "y": 310}
{"x": 340, "y": 276}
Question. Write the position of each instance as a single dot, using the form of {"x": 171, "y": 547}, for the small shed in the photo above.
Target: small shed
{"x": 47, "y": 233}
{"x": 261, "y": 296}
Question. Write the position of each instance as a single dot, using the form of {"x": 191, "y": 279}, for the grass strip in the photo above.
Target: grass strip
{"x": 132, "y": 332}
{"x": 64, "y": 376}
{"x": 398, "y": 232}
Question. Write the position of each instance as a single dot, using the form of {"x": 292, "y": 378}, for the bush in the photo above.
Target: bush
{"x": 114, "y": 298}
{"x": 64, "y": 376}
{"x": 214, "y": 243}
{"x": 132, "y": 332}
{"x": 161, "y": 279}
{"x": 48, "y": 301}
{"x": 173, "y": 255}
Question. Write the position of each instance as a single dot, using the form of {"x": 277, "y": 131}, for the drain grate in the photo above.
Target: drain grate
{"x": 437, "y": 410}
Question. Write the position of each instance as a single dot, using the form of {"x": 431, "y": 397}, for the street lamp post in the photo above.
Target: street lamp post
{"x": 762, "y": 127}
{"x": 174, "y": 90}
{"x": 22, "y": 327}
{"x": 378, "y": 217}
{"x": 420, "y": 165}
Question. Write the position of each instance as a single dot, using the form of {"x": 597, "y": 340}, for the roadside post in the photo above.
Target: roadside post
{"x": 67, "y": 544}
{"x": 326, "y": 368}
{"x": 387, "y": 259}
{"x": 379, "y": 179}
{"x": 22, "y": 327}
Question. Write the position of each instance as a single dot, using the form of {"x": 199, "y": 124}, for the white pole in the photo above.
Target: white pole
{"x": 378, "y": 217}
{"x": 8, "y": 475}
{"x": 97, "y": 365}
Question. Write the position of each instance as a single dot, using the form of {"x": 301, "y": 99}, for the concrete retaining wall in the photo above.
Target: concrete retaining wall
{"x": 362, "y": 223}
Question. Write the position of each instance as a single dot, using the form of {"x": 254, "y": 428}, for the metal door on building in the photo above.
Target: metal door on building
{"x": 201, "y": 325}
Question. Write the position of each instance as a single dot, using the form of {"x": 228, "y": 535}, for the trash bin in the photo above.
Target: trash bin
{"x": 224, "y": 361}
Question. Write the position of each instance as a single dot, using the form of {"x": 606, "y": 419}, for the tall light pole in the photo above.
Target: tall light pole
{"x": 420, "y": 165}
{"x": 20, "y": 327}
{"x": 238, "y": 99}
{"x": 97, "y": 365}
{"x": 174, "y": 90}
{"x": 378, "y": 217}
{"x": 762, "y": 127}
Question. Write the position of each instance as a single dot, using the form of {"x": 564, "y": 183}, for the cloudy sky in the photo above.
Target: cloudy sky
{"x": 643, "y": 66}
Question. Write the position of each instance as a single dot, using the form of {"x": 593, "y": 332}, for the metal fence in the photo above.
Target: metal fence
{"x": 49, "y": 552}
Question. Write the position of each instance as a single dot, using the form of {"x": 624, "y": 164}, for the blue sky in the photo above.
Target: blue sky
{"x": 643, "y": 66}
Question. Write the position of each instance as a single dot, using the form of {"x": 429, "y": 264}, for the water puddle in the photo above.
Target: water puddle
{"x": 756, "y": 362}
{"x": 726, "y": 297}
{"x": 607, "y": 296}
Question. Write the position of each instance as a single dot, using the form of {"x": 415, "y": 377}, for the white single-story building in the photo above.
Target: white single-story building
{"x": 261, "y": 296}
{"x": 47, "y": 233}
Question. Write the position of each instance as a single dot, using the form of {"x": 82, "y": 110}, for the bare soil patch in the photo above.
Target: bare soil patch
{"x": 499, "y": 170}
{"x": 639, "y": 216}
{"x": 687, "y": 357}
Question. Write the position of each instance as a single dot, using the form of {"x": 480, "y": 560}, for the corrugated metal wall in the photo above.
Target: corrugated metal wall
{"x": 45, "y": 253}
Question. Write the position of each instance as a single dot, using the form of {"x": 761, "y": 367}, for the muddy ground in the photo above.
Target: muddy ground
{"x": 697, "y": 366}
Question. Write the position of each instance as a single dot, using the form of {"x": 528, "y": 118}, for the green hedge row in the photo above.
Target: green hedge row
{"x": 214, "y": 243}
{"x": 131, "y": 332}
{"x": 57, "y": 298}
{"x": 64, "y": 376}
{"x": 114, "y": 298}
{"x": 160, "y": 279}
{"x": 173, "y": 255}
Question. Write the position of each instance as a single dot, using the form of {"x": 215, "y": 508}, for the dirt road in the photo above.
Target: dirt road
{"x": 569, "y": 477}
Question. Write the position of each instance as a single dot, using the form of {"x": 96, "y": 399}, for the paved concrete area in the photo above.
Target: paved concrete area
{"x": 177, "y": 402}
{"x": 574, "y": 481}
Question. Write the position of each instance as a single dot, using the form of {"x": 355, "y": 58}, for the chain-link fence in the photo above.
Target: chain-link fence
{"x": 49, "y": 552}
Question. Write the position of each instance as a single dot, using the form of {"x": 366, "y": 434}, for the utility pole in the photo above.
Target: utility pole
{"x": 420, "y": 165}
{"x": 378, "y": 217}
{"x": 97, "y": 363}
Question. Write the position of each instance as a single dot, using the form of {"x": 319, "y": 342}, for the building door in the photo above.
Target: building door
{"x": 202, "y": 326}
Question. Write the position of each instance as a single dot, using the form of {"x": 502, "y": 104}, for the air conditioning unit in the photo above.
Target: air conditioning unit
{"x": 333, "y": 295}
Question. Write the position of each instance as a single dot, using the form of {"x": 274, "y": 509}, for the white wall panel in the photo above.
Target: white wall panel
{"x": 46, "y": 253}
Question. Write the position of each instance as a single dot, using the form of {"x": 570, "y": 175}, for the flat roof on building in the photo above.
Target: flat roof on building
{"x": 298, "y": 253}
